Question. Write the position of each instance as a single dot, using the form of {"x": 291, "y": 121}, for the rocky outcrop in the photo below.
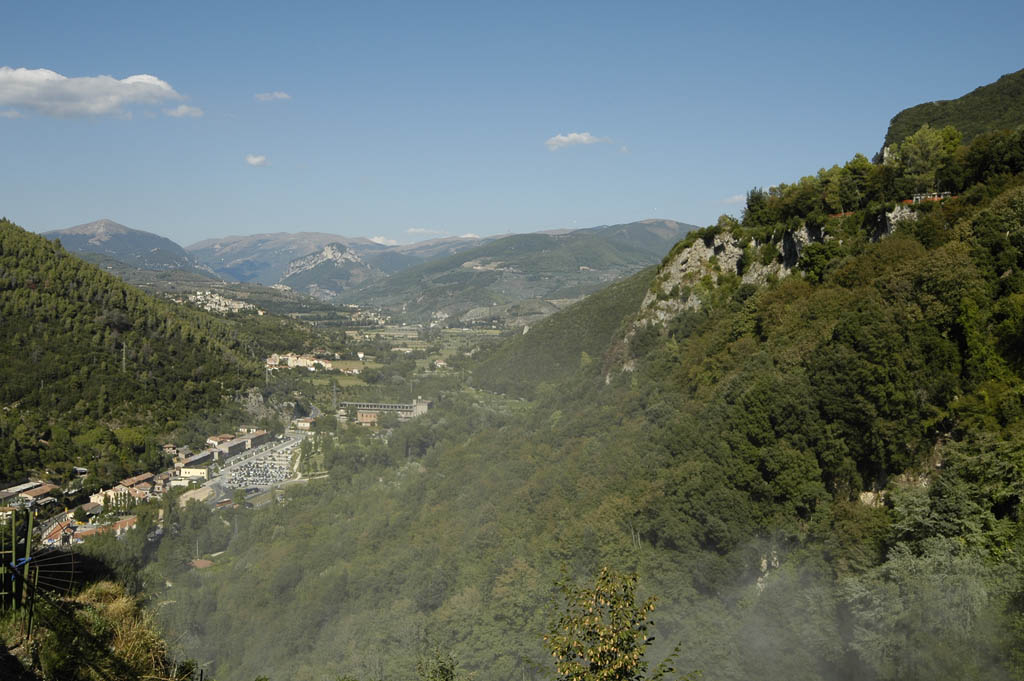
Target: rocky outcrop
{"x": 329, "y": 272}
{"x": 684, "y": 282}
{"x": 333, "y": 252}
{"x": 893, "y": 219}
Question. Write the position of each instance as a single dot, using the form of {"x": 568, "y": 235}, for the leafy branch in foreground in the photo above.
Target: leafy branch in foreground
{"x": 601, "y": 634}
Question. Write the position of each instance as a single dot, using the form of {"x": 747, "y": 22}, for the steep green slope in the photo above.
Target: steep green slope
{"x": 553, "y": 349}
{"x": 818, "y": 474}
{"x": 996, "y": 106}
{"x": 92, "y": 368}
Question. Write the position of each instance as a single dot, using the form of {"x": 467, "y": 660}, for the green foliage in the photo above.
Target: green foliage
{"x": 928, "y": 614}
{"x": 438, "y": 667}
{"x": 923, "y": 153}
{"x": 601, "y": 634}
{"x": 550, "y": 350}
{"x": 94, "y": 370}
{"x": 996, "y": 106}
{"x": 817, "y": 257}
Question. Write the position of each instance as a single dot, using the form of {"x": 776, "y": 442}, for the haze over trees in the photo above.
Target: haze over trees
{"x": 817, "y": 471}
{"x": 815, "y": 475}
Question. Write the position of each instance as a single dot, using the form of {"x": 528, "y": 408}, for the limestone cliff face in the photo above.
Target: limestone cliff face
{"x": 893, "y": 219}
{"x": 333, "y": 253}
{"x": 685, "y": 280}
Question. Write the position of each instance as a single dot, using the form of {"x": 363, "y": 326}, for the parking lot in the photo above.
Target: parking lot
{"x": 256, "y": 470}
{"x": 261, "y": 471}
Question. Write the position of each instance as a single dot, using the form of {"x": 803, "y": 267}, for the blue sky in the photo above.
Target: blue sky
{"x": 407, "y": 120}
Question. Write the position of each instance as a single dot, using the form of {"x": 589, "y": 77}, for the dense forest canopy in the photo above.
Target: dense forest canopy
{"x": 93, "y": 369}
{"x": 996, "y": 106}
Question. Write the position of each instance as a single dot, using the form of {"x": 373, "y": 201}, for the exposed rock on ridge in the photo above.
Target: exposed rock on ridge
{"x": 684, "y": 281}
{"x": 333, "y": 252}
{"x": 329, "y": 272}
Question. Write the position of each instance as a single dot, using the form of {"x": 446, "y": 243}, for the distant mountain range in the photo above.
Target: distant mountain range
{"x": 499, "y": 277}
{"x": 265, "y": 258}
{"x": 525, "y": 276}
{"x": 996, "y": 106}
{"x": 132, "y": 247}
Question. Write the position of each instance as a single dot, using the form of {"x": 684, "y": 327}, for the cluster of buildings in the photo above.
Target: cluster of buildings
{"x": 129, "y": 492}
{"x": 63, "y": 529}
{"x": 930, "y": 196}
{"x": 305, "y": 423}
{"x": 189, "y": 467}
{"x": 368, "y": 317}
{"x": 368, "y": 413}
{"x": 291, "y": 361}
{"x": 214, "y": 302}
{"x": 28, "y": 495}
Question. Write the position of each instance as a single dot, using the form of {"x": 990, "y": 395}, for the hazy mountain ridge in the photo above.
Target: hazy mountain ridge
{"x": 513, "y": 276}
{"x": 331, "y": 253}
{"x": 522, "y": 267}
{"x": 328, "y": 272}
{"x": 265, "y": 258}
{"x": 134, "y": 247}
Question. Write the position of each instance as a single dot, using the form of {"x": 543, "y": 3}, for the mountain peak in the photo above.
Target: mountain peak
{"x": 100, "y": 230}
{"x": 130, "y": 246}
{"x": 328, "y": 271}
{"x": 334, "y": 252}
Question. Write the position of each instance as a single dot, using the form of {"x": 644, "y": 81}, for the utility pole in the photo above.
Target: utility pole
{"x": 124, "y": 356}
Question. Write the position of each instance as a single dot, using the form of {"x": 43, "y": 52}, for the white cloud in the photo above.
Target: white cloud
{"x": 383, "y": 241}
{"x": 559, "y": 141}
{"x": 469, "y": 235}
{"x": 184, "y": 110}
{"x": 49, "y": 93}
{"x": 424, "y": 231}
{"x": 11, "y": 113}
{"x": 257, "y": 160}
{"x": 735, "y": 199}
{"x": 271, "y": 96}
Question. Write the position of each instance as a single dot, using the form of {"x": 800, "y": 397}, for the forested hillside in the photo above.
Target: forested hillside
{"x": 93, "y": 369}
{"x": 554, "y": 348}
{"x": 996, "y": 106}
{"x": 817, "y": 471}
